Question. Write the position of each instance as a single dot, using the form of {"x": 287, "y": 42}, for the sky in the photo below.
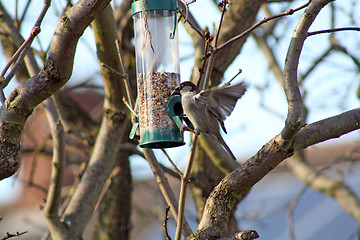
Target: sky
{"x": 250, "y": 126}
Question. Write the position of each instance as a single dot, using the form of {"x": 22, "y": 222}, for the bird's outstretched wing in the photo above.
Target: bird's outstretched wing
{"x": 221, "y": 101}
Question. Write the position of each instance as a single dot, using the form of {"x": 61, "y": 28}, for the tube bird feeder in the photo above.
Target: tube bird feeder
{"x": 158, "y": 70}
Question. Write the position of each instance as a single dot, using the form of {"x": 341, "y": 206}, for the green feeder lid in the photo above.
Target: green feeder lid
{"x": 137, "y": 5}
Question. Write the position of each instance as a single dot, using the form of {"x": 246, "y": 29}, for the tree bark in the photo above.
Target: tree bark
{"x": 56, "y": 72}
{"x": 115, "y": 208}
{"x": 112, "y": 130}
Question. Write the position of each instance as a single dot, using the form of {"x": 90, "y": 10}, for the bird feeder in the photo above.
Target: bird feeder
{"x": 158, "y": 71}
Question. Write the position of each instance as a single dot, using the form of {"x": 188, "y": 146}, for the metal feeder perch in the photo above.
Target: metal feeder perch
{"x": 158, "y": 72}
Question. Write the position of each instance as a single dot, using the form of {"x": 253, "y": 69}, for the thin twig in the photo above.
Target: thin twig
{"x": 342, "y": 49}
{"x": 126, "y": 78}
{"x": 191, "y": 22}
{"x": 113, "y": 70}
{"x": 15, "y": 68}
{"x": 186, "y": 9}
{"x": 316, "y": 63}
{"x": 209, "y": 68}
{"x": 165, "y": 223}
{"x": 34, "y": 32}
{"x": 256, "y": 25}
{"x": 172, "y": 163}
{"x": 115, "y": 172}
{"x": 184, "y": 181}
{"x": 32, "y": 184}
{"x": 11, "y": 235}
{"x": 36, "y": 154}
{"x": 334, "y": 30}
{"x": 297, "y": 198}
{"x": 210, "y": 63}
{"x": 43, "y": 12}
{"x": 223, "y": 5}
{"x": 208, "y": 39}
{"x": 165, "y": 188}
{"x": 68, "y": 126}
{"x": 291, "y": 210}
{"x": 129, "y": 107}
{"x": 18, "y": 58}
{"x": 232, "y": 79}
{"x": 24, "y": 13}
{"x": 21, "y": 52}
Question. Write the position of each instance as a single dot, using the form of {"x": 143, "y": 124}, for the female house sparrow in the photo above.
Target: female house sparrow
{"x": 206, "y": 109}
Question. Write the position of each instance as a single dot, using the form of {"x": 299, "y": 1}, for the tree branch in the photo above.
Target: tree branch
{"x": 295, "y": 105}
{"x": 239, "y": 11}
{"x": 56, "y": 72}
{"x": 184, "y": 181}
{"x": 165, "y": 188}
{"x": 81, "y": 207}
{"x": 334, "y": 30}
{"x": 57, "y": 171}
{"x": 237, "y": 184}
{"x": 326, "y": 129}
{"x": 327, "y": 185}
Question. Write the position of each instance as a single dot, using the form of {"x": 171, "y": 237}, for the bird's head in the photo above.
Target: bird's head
{"x": 185, "y": 87}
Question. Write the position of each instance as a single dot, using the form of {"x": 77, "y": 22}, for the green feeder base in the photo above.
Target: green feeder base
{"x": 161, "y": 138}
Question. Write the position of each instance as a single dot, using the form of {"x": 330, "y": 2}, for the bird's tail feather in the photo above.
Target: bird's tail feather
{"x": 222, "y": 142}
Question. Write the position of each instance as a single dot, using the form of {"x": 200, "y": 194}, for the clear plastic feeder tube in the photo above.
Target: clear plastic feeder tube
{"x": 158, "y": 70}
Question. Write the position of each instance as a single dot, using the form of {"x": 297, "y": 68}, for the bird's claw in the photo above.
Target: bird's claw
{"x": 186, "y": 128}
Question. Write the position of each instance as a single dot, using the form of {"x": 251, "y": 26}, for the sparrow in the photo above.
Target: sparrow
{"x": 208, "y": 108}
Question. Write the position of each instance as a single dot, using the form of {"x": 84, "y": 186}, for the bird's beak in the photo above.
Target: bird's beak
{"x": 175, "y": 92}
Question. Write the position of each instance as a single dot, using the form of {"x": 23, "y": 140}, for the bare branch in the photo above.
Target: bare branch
{"x": 228, "y": 192}
{"x": 295, "y": 105}
{"x": 207, "y": 66}
{"x": 67, "y": 125}
{"x": 326, "y": 129}
{"x": 34, "y": 32}
{"x": 57, "y": 171}
{"x": 236, "y": 185}
{"x": 335, "y": 188}
{"x": 113, "y": 70}
{"x": 265, "y": 20}
{"x": 21, "y": 52}
{"x": 165, "y": 223}
{"x": 172, "y": 163}
{"x": 113, "y": 174}
{"x": 114, "y": 121}
{"x": 317, "y": 61}
{"x": 334, "y": 30}
{"x": 55, "y": 74}
{"x": 126, "y": 79}
{"x": 11, "y": 235}
{"x": 243, "y": 235}
{"x": 186, "y": 4}
{"x": 223, "y": 5}
{"x": 165, "y": 188}
{"x": 184, "y": 181}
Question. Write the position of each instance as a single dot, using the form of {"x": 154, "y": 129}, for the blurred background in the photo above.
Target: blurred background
{"x": 280, "y": 206}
